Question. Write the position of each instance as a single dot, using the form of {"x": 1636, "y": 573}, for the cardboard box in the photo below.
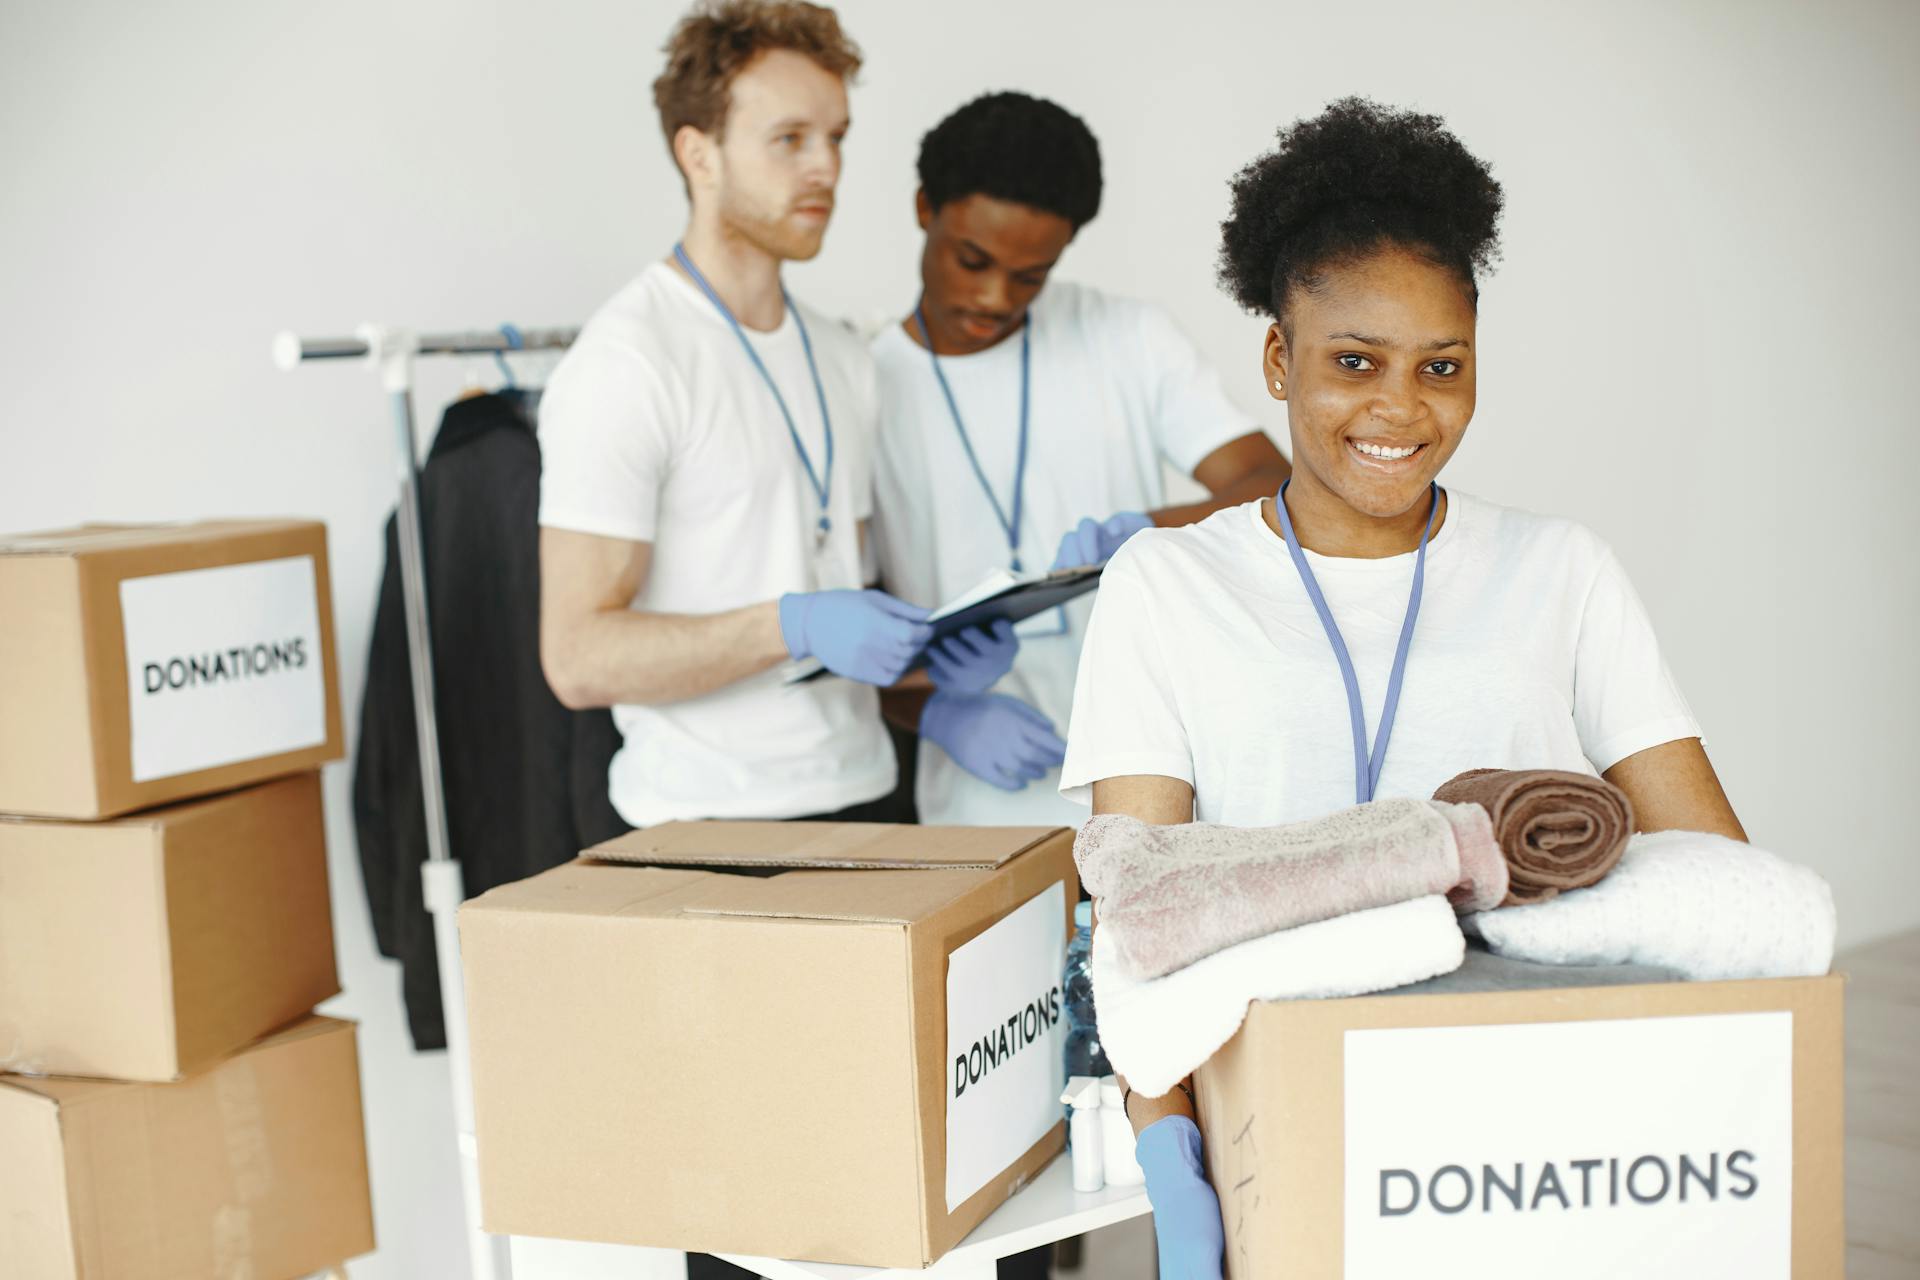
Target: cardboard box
{"x": 853, "y": 1060}
{"x": 1681, "y": 1130}
{"x": 146, "y": 663}
{"x": 146, "y": 947}
{"x": 257, "y": 1167}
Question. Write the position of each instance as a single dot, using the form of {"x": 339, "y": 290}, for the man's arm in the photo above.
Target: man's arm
{"x": 1238, "y": 471}
{"x": 596, "y": 651}
{"x": 1673, "y": 788}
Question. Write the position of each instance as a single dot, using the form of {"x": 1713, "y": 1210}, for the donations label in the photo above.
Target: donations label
{"x": 223, "y": 665}
{"x": 1643, "y": 1147}
{"x": 1006, "y": 1038}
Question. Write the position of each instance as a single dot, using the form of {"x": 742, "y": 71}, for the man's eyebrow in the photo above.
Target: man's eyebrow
{"x": 789, "y": 123}
{"x": 974, "y": 248}
{"x": 1444, "y": 343}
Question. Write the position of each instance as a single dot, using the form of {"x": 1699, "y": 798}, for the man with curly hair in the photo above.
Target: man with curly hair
{"x": 1025, "y": 423}
{"x": 707, "y": 451}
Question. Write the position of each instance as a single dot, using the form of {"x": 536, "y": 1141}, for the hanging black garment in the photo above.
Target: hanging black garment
{"x": 525, "y": 778}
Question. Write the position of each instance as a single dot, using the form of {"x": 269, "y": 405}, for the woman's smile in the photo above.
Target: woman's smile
{"x": 1384, "y": 455}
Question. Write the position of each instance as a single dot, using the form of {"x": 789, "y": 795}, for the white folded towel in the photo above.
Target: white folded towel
{"x": 1158, "y": 1030}
{"x": 1709, "y": 907}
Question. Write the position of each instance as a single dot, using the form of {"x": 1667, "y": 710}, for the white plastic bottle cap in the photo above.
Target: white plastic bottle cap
{"x": 1082, "y": 1092}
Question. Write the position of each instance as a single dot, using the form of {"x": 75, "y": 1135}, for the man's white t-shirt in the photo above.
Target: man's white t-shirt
{"x": 1115, "y": 388}
{"x": 1205, "y": 661}
{"x": 657, "y": 428}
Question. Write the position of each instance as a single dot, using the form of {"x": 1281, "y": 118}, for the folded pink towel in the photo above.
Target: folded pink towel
{"x": 1169, "y": 896}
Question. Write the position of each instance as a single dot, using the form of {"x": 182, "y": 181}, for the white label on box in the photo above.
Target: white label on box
{"x": 223, "y": 665}
{"x": 1006, "y": 1041}
{"x": 1645, "y": 1147}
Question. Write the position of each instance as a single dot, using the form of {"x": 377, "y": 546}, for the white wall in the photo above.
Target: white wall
{"x": 1699, "y": 342}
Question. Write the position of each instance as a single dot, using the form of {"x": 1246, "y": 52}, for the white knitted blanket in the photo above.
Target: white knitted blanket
{"x": 1158, "y": 1030}
{"x": 1709, "y": 907}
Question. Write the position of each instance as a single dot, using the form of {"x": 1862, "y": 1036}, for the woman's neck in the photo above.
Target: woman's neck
{"x": 1328, "y": 526}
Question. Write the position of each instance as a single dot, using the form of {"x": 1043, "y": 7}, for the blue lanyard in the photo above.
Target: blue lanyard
{"x": 1366, "y": 773}
{"x": 1011, "y": 527}
{"x": 822, "y": 485}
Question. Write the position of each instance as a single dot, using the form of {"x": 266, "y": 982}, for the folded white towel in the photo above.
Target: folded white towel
{"x": 1158, "y": 1030}
{"x": 1709, "y": 907}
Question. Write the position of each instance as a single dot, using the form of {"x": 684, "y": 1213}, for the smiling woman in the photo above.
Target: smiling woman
{"x": 1363, "y": 633}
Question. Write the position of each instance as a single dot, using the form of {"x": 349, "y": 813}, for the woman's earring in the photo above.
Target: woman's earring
{"x": 1277, "y": 386}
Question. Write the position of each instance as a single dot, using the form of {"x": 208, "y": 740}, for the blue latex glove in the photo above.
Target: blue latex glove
{"x": 1186, "y": 1212}
{"x": 971, "y": 660}
{"x": 995, "y": 738}
{"x": 863, "y": 635}
{"x": 1094, "y": 541}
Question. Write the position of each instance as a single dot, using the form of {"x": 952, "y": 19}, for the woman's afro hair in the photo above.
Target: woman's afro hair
{"x": 1013, "y": 146}
{"x": 1343, "y": 184}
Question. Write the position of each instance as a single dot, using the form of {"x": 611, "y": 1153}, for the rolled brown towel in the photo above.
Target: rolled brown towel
{"x": 1558, "y": 830}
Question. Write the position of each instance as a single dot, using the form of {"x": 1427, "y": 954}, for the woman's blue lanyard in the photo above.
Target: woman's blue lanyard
{"x": 1011, "y": 527}
{"x": 1366, "y": 772}
{"x": 822, "y": 483}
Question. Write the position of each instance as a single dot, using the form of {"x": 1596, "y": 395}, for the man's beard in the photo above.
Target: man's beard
{"x": 769, "y": 230}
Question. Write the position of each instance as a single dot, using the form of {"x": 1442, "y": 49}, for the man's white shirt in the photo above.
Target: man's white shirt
{"x": 657, "y": 428}
{"x": 1115, "y": 390}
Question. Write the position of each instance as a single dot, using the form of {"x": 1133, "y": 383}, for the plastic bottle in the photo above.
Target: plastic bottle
{"x": 1085, "y": 1132}
{"x": 1120, "y": 1167}
{"x": 1085, "y": 1057}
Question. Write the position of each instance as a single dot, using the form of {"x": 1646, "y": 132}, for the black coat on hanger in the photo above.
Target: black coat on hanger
{"x": 525, "y": 778}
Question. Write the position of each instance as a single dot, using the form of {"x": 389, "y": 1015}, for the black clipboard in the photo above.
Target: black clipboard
{"x": 1016, "y": 601}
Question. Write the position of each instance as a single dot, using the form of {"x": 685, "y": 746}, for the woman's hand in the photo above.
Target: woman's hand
{"x": 1186, "y": 1212}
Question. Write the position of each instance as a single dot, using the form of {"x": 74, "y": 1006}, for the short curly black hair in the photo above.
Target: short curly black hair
{"x": 1013, "y": 146}
{"x": 1351, "y": 180}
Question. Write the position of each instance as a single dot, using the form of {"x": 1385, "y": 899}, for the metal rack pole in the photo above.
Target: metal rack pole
{"x": 290, "y": 350}
{"x": 393, "y": 351}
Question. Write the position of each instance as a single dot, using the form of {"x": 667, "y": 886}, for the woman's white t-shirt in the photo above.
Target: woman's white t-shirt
{"x": 657, "y": 428}
{"x": 1115, "y": 390}
{"x": 1205, "y": 661}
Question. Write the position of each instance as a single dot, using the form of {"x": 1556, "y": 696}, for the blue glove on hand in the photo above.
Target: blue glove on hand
{"x": 971, "y": 660}
{"x": 1186, "y": 1212}
{"x": 1094, "y": 541}
{"x": 995, "y": 738}
{"x": 863, "y": 635}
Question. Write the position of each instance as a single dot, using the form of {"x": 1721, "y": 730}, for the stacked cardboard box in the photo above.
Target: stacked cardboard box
{"x": 173, "y": 1107}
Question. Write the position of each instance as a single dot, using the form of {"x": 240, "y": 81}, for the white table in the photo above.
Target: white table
{"x": 1045, "y": 1210}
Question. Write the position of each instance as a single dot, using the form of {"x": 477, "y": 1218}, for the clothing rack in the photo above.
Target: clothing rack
{"x": 392, "y": 351}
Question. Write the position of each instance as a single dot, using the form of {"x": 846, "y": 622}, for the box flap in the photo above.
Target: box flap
{"x": 587, "y": 888}
{"x": 36, "y": 1225}
{"x": 85, "y": 983}
{"x": 63, "y": 1091}
{"x": 44, "y": 1088}
{"x": 850, "y": 845}
{"x": 856, "y": 896}
{"x": 112, "y": 537}
{"x": 158, "y": 818}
